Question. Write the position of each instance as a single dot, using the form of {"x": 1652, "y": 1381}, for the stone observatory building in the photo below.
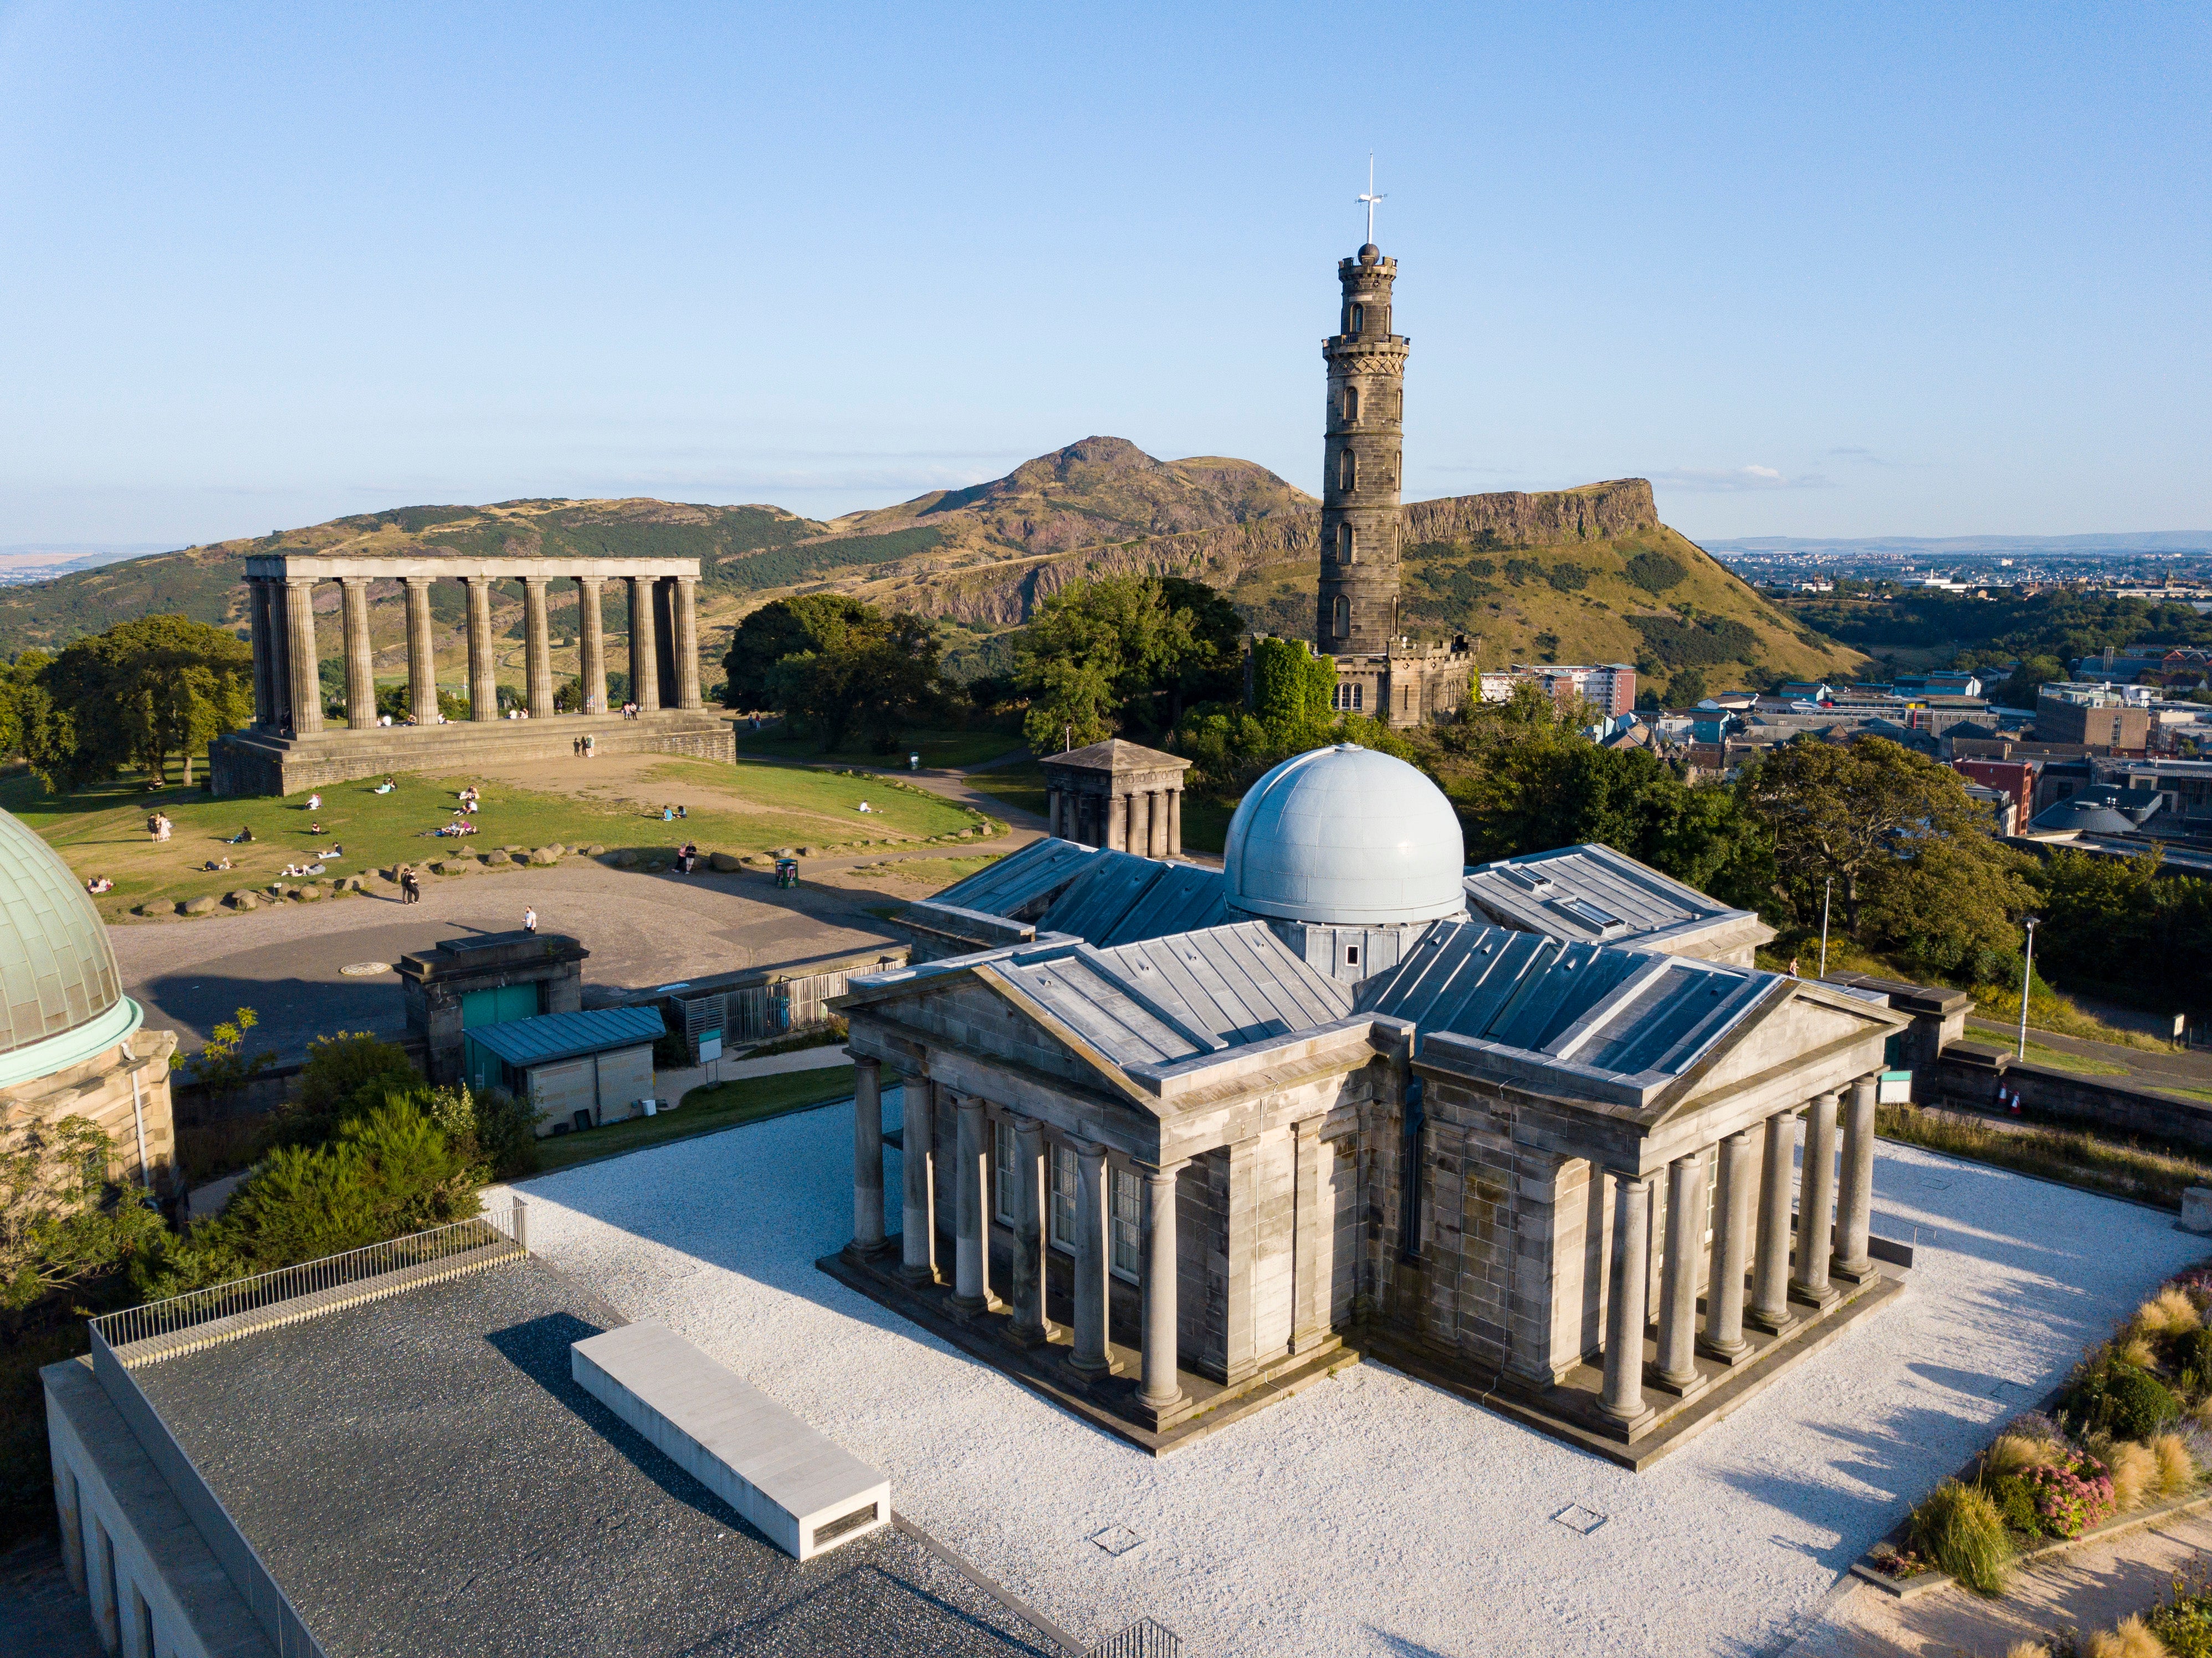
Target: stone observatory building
{"x": 1175, "y": 1142}
{"x": 71, "y": 1043}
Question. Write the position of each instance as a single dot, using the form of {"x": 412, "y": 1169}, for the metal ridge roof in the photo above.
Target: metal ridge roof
{"x": 552, "y": 1037}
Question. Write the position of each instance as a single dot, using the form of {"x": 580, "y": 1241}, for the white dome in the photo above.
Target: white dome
{"x": 1346, "y": 838}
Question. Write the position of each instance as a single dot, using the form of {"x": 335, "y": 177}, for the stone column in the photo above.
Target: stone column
{"x": 1621, "y": 1398}
{"x": 1731, "y": 1233}
{"x": 1138, "y": 832}
{"x": 280, "y": 656}
{"x": 1052, "y": 811}
{"x": 686, "y": 642}
{"x": 1117, "y": 822}
{"x": 1092, "y": 1355}
{"x": 1854, "y": 1208}
{"x": 300, "y": 653}
{"x": 1174, "y": 823}
{"x": 1816, "y": 1202}
{"x": 484, "y": 676}
{"x": 644, "y": 652}
{"x": 1031, "y": 1326}
{"x": 1159, "y": 841}
{"x": 536, "y": 647}
{"x": 264, "y": 652}
{"x": 867, "y": 1155}
{"x": 1678, "y": 1279}
{"x": 1770, "y": 1268}
{"x": 422, "y": 653}
{"x": 971, "y": 1274}
{"x": 1159, "y": 1390}
{"x": 592, "y": 643}
{"x": 918, "y": 1239}
{"x": 361, "y": 663}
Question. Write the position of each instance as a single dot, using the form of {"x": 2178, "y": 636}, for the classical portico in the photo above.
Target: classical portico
{"x": 288, "y": 746}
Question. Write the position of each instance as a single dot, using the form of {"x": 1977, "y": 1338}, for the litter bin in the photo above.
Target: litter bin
{"x": 913, "y": 763}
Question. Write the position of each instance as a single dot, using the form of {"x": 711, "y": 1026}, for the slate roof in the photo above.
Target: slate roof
{"x": 1036, "y": 874}
{"x": 1116, "y": 755}
{"x": 552, "y": 1036}
{"x": 1592, "y": 895}
{"x": 1629, "y": 1012}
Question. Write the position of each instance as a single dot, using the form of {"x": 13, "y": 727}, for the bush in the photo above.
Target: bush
{"x": 1961, "y": 1529}
{"x": 347, "y": 1074}
{"x": 2184, "y": 1622}
{"x": 2073, "y": 1496}
{"x": 2189, "y": 1356}
{"x": 2015, "y": 1500}
{"x": 1656, "y": 572}
{"x": 2177, "y": 1466}
{"x": 2118, "y": 1398}
{"x": 2134, "y": 1470}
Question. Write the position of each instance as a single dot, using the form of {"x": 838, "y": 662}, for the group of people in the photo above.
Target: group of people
{"x": 585, "y": 749}
{"x": 687, "y": 860}
{"x": 160, "y": 827}
{"x": 673, "y": 814}
{"x": 98, "y": 884}
{"x": 629, "y": 710}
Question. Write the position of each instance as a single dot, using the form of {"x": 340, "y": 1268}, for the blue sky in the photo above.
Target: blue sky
{"x": 1829, "y": 271}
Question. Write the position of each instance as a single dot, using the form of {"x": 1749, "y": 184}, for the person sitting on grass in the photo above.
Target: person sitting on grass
{"x": 314, "y": 802}
{"x": 100, "y": 883}
{"x": 384, "y": 787}
{"x": 244, "y": 836}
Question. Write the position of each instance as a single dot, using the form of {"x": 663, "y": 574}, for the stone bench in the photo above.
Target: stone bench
{"x": 805, "y": 1493}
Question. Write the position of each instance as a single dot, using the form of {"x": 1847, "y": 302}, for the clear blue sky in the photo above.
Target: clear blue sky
{"x": 1839, "y": 270}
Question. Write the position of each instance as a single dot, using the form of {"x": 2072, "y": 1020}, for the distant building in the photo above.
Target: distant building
{"x": 2095, "y": 715}
{"x": 1609, "y": 687}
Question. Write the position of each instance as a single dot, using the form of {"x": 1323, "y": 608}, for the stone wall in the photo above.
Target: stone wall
{"x": 1968, "y": 1077}
{"x": 101, "y": 1090}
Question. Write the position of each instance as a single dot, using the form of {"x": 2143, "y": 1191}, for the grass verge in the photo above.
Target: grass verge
{"x": 704, "y": 1111}
{"x": 1021, "y": 786}
{"x": 2070, "y": 1159}
{"x": 940, "y": 747}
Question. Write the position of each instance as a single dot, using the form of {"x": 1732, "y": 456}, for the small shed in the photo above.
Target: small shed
{"x": 578, "y": 1069}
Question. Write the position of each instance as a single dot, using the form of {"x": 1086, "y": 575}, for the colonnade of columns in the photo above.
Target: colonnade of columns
{"x": 287, "y": 689}
{"x": 972, "y": 1291}
{"x": 1831, "y": 1242}
{"x": 1145, "y": 822}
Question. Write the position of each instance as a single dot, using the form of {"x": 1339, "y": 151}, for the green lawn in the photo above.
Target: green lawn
{"x": 742, "y": 808}
{"x": 940, "y": 748}
{"x": 2059, "y": 1060}
{"x": 704, "y": 1110}
{"x": 1021, "y": 786}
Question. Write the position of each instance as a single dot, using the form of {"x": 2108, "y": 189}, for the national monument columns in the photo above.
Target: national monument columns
{"x": 288, "y": 747}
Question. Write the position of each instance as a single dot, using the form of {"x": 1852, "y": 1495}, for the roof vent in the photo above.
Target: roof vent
{"x": 1528, "y": 880}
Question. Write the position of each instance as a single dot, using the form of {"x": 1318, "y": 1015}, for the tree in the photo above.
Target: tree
{"x": 220, "y": 1068}
{"x": 1291, "y": 687}
{"x": 1915, "y": 868}
{"x": 879, "y": 674}
{"x": 136, "y": 695}
{"x": 1123, "y": 650}
{"x": 62, "y": 1224}
{"x": 810, "y": 624}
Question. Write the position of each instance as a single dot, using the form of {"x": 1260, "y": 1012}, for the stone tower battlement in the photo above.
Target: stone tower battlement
{"x": 1362, "y": 451}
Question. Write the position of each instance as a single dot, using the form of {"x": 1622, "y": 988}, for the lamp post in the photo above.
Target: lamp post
{"x": 1826, "y": 892}
{"x": 2026, "y": 978}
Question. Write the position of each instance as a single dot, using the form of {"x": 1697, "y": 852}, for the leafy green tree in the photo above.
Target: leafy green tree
{"x": 347, "y": 1071}
{"x": 1915, "y": 868}
{"x": 135, "y": 695}
{"x": 812, "y": 624}
{"x": 878, "y": 676}
{"x": 1291, "y": 687}
{"x": 1656, "y": 572}
{"x": 2019, "y": 690}
{"x": 1121, "y": 651}
{"x": 2127, "y": 923}
{"x": 220, "y": 1066}
{"x": 62, "y": 1223}
{"x": 398, "y": 701}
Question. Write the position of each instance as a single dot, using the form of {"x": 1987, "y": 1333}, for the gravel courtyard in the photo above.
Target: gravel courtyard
{"x": 1372, "y": 1514}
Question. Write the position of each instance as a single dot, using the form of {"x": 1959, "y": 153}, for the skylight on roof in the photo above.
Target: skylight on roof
{"x": 1589, "y": 914}
{"x": 1527, "y": 879}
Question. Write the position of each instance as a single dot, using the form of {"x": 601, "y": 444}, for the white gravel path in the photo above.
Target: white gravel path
{"x": 1372, "y": 1514}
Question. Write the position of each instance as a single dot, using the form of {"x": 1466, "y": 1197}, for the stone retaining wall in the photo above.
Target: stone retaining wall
{"x": 1969, "y": 1075}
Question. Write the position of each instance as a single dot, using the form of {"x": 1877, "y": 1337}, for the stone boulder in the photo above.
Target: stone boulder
{"x": 203, "y": 905}
{"x": 308, "y": 894}
{"x": 452, "y": 866}
{"x": 242, "y": 899}
{"x": 624, "y": 859}
{"x": 724, "y": 862}
{"x": 545, "y": 856}
{"x": 499, "y": 857}
{"x": 595, "y": 850}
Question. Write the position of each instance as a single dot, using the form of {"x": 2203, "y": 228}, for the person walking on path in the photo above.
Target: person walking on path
{"x": 410, "y": 888}
{"x": 529, "y": 919}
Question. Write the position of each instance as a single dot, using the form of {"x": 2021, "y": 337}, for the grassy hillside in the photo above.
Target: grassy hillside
{"x": 1569, "y": 575}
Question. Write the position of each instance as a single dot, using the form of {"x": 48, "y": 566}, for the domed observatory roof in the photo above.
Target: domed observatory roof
{"x": 61, "y": 998}
{"x": 1346, "y": 837}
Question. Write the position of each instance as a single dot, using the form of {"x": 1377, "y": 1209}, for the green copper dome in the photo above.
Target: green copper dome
{"x": 57, "y": 968}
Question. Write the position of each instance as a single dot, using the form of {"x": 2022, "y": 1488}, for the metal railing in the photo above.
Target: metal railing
{"x": 264, "y": 1289}
{"x": 1143, "y": 1639}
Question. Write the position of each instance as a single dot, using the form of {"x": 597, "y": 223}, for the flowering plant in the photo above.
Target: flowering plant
{"x": 2072, "y": 1496}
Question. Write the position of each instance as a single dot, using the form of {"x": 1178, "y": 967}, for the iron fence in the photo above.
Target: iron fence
{"x": 1143, "y": 1639}
{"x": 246, "y": 1295}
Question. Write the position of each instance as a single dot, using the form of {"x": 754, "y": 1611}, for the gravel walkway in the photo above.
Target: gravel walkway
{"x": 1373, "y": 1515}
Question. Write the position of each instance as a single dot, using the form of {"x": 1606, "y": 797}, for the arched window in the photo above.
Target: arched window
{"x": 1350, "y": 404}
{"x": 1347, "y": 471}
{"x": 1347, "y": 545}
{"x": 1340, "y": 623}
{"x": 1358, "y": 318}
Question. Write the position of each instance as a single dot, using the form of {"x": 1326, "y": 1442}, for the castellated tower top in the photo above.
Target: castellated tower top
{"x": 1362, "y": 444}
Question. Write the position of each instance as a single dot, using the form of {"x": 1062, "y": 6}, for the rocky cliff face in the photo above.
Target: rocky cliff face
{"x": 1007, "y": 591}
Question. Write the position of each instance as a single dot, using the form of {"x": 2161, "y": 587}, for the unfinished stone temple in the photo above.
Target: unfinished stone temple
{"x": 288, "y": 747}
{"x": 1174, "y": 1141}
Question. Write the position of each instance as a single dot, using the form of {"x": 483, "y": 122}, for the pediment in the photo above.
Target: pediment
{"x": 1799, "y": 1030}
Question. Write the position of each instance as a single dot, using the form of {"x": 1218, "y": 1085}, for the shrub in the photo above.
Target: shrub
{"x": 2123, "y": 1400}
{"x": 2134, "y": 1470}
{"x": 2131, "y": 1639}
{"x": 2170, "y": 1312}
{"x": 2036, "y": 1427}
{"x": 2016, "y": 1453}
{"x": 506, "y": 1134}
{"x": 1656, "y": 572}
{"x": 1960, "y": 1528}
{"x": 2072, "y": 1496}
{"x": 2015, "y": 1501}
{"x": 2184, "y": 1622}
{"x": 2177, "y": 1463}
{"x": 347, "y": 1074}
{"x": 2188, "y": 1354}
{"x": 2136, "y": 1351}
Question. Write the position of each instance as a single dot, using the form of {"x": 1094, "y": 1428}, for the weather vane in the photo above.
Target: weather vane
{"x": 1370, "y": 198}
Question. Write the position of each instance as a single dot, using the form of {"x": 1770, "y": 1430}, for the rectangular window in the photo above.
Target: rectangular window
{"x": 1063, "y": 1197}
{"x": 1126, "y": 1214}
{"x": 1359, "y": 696}
{"x": 1005, "y": 1166}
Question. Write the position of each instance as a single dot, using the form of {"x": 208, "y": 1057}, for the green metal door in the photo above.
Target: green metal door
{"x": 499, "y": 1006}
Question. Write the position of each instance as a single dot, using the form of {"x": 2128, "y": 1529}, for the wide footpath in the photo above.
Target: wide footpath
{"x": 1372, "y": 1514}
